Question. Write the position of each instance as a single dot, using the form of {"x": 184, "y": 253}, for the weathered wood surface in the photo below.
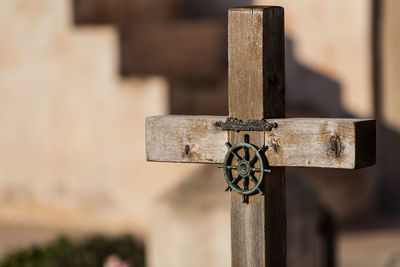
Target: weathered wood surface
{"x": 296, "y": 142}
{"x": 328, "y": 143}
{"x": 185, "y": 139}
{"x": 256, "y": 88}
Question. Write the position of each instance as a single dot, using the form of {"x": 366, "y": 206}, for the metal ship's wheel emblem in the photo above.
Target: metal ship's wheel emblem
{"x": 244, "y": 173}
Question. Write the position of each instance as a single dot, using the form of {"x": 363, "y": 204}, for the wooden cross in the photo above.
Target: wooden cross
{"x": 257, "y": 91}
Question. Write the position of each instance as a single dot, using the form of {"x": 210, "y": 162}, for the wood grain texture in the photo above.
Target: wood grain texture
{"x": 296, "y": 142}
{"x": 256, "y": 60}
{"x": 167, "y": 139}
{"x": 256, "y": 91}
{"x": 325, "y": 143}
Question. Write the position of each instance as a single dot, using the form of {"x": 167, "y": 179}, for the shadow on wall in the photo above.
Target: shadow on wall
{"x": 312, "y": 94}
{"x": 388, "y": 140}
{"x": 308, "y": 92}
{"x": 348, "y": 193}
{"x": 199, "y": 210}
{"x": 388, "y": 158}
{"x": 351, "y": 195}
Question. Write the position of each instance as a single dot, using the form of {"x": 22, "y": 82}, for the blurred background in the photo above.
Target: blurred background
{"x": 78, "y": 78}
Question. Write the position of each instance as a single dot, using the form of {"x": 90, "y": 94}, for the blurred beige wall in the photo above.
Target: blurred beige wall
{"x": 334, "y": 38}
{"x": 390, "y": 100}
{"x": 72, "y": 131}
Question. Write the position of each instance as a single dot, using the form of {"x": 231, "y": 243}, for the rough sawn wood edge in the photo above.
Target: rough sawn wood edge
{"x": 296, "y": 142}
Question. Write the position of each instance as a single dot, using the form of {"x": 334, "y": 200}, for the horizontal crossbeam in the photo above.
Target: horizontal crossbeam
{"x": 298, "y": 142}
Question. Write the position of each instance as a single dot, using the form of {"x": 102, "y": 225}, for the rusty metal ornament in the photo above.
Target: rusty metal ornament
{"x": 244, "y": 171}
{"x": 234, "y": 124}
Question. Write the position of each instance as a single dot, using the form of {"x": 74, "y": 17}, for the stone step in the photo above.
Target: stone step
{"x": 199, "y": 96}
{"x": 125, "y": 11}
{"x": 186, "y": 49}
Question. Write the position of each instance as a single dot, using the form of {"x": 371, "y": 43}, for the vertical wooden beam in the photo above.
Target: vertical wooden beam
{"x": 256, "y": 91}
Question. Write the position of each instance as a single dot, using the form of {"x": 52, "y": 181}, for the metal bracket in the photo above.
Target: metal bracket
{"x": 234, "y": 124}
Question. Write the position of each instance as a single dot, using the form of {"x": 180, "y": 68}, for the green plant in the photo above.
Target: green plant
{"x": 90, "y": 252}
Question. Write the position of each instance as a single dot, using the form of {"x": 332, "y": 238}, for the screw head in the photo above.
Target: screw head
{"x": 187, "y": 150}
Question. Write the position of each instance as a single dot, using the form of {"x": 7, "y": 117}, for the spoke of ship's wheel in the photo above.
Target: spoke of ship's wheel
{"x": 246, "y": 153}
{"x": 246, "y": 187}
{"x": 246, "y": 183}
{"x": 238, "y": 158}
{"x": 220, "y": 166}
{"x": 255, "y": 169}
{"x": 237, "y": 178}
{"x": 228, "y": 144}
{"x": 228, "y": 188}
{"x": 263, "y": 148}
{"x": 232, "y": 167}
{"x": 267, "y": 170}
{"x": 253, "y": 179}
{"x": 261, "y": 192}
{"x": 253, "y": 160}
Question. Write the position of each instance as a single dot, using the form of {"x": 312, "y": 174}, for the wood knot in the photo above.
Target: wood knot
{"x": 334, "y": 146}
{"x": 274, "y": 145}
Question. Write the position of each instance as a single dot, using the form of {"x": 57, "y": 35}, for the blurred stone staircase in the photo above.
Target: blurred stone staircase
{"x": 167, "y": 38}
{"x": 126, "y": 11}
{"x": 72, "y": 152}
